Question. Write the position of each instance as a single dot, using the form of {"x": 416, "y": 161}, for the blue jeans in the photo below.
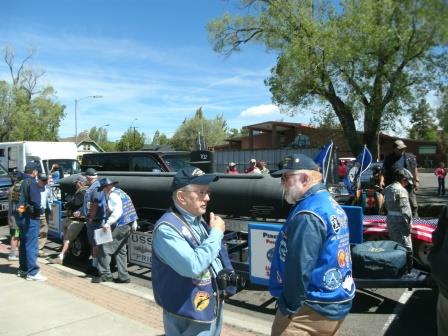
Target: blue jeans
{"x": 29, "y": 244}
{"x": 176, "y": 326}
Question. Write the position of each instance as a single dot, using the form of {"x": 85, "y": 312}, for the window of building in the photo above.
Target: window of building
{"x": 427, "y": 149}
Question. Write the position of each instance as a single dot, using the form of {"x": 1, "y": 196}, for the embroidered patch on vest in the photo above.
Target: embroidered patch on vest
{"x": 282, "y": 250}
{"x": 342, "y": 258}
{"x": 201, "y": 300}
{"x": 348, "y": 283}
{"x": 332, "y": 279}
{"x": 335, "y": 224}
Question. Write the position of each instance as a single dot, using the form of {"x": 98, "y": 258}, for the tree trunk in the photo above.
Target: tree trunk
{"x": 345, "y": 117}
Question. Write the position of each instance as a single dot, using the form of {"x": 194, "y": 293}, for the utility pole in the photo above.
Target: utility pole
{"x": 133, "y": 141}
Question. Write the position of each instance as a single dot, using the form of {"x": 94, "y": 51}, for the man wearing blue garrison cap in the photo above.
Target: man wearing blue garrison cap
{"x": 187, "y": 256}
{"x": 311, "y": 271}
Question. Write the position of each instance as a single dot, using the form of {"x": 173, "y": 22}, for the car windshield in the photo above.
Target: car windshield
{"x": 176, "y": 162}
{"x": 69, "y": 167}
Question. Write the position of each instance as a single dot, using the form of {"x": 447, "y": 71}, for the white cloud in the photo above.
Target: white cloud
{"x": 260, "y": 110}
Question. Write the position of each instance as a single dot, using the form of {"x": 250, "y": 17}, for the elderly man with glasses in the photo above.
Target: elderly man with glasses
{"x": 311, "y": 270}
{"x": 187, "y": 256}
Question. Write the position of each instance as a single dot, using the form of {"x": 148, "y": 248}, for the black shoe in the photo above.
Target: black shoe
{"x": 101, "y": 279}
{"x": 118, "y": 280}
{"x": 92, "y": 271}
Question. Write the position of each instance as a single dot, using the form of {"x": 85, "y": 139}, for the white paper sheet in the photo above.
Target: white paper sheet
{"x": 102, "y": 237}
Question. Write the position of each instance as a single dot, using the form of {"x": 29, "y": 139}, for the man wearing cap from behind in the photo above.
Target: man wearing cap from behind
{"x": 187, "y": 256}
{"x": 121, "y": 218}
{"x": 29, "y": 211}
{"x": 311, "y": 270}
{"x": 93, "y": 210}
{"x": 400, "y": 159}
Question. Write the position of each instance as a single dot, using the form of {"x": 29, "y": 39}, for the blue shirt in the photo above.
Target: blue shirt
{"x": 175, "y": 251}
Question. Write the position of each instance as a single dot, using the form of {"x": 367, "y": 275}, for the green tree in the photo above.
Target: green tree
{"x": 442, "y": 115}
{"x": 367, "y": 59}
{"x": 27, "y": 111}
{"x": 235, "y": 132}
{"x": 160, "y": 139}
{"x": 209, "y": 132}
{"x": 423, "y": 125}
{"x": 131, "y": 140}
{"x": 99, "y": 135}
{"x": 442, "y": 112}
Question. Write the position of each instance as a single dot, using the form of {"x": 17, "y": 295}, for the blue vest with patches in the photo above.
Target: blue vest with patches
{"x": 87, "y": 202}
{"x": 129, "y": 214}
{"x": 195, "y": 299}
{"x": 331, "y": 280}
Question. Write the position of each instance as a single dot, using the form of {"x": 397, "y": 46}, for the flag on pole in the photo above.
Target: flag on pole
{"x": 365, "y": 159}
{"x": 323, "y": 159}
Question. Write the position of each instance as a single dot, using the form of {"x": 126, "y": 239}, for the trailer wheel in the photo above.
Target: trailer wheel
{"x": 421, "y": 251}
{"x": 79, "y": 248}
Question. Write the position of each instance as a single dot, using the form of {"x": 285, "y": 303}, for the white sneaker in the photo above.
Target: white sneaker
{"x": 37, "y": 277}
{"x": 13, "y": 257}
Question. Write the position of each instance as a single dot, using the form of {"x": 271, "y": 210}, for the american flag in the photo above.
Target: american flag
{"x": 421, "y": 228}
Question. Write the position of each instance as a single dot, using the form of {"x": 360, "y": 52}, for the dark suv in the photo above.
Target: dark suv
{"x": 139, "y": 161}
{"x": 5, "y": 185}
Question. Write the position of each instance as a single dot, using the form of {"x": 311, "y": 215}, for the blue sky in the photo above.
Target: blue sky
{"x": 150, "y": 60}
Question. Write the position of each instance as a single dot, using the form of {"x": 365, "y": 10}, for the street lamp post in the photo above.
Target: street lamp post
{"x": 130, "y": 127}
{"x": 76, "y": 114}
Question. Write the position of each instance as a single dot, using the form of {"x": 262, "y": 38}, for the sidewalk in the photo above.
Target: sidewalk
{"x": 67, "y": 303}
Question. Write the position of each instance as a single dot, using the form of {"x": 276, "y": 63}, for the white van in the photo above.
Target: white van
{"x": 15, "y": 155}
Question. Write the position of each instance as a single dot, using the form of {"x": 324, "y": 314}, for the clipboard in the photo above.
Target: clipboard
{"x": 102, "y": 237}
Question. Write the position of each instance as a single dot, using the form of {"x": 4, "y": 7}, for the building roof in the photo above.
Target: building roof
{"x": 280, "y": 125}
{"x": 82, "y": 137}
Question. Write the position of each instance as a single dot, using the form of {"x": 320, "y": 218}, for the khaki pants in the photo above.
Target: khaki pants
{"x": 306, "y": 322}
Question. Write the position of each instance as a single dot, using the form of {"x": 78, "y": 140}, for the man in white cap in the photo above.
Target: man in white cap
{"x": 232, "y": 169}
{"x": 252, "y": 169}
{"x": 400, "y": 159}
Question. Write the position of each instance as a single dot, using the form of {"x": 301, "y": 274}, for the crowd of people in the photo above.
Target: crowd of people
{"x": 311, "y": 267}
{"x": 96, "y": 204}
{"x": 254, "y": 167}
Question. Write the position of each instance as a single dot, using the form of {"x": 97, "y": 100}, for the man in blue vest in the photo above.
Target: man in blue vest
{"x": 187, "y": 257}
{"x": 93, "y": 211}
{"x": 121, "y": 218}
{"x": 311, "y": 270}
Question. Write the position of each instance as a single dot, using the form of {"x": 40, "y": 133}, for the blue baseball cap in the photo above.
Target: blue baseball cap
{"x": 295, "y": 162}
{"x": 191, "y": 175}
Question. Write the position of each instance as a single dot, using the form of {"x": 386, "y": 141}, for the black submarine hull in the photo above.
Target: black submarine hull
{"x": 245, "y": 195}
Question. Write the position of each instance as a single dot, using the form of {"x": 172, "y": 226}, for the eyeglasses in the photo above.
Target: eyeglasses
{"x": 200, "y": 193}
{"x": 284, "y": 178}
